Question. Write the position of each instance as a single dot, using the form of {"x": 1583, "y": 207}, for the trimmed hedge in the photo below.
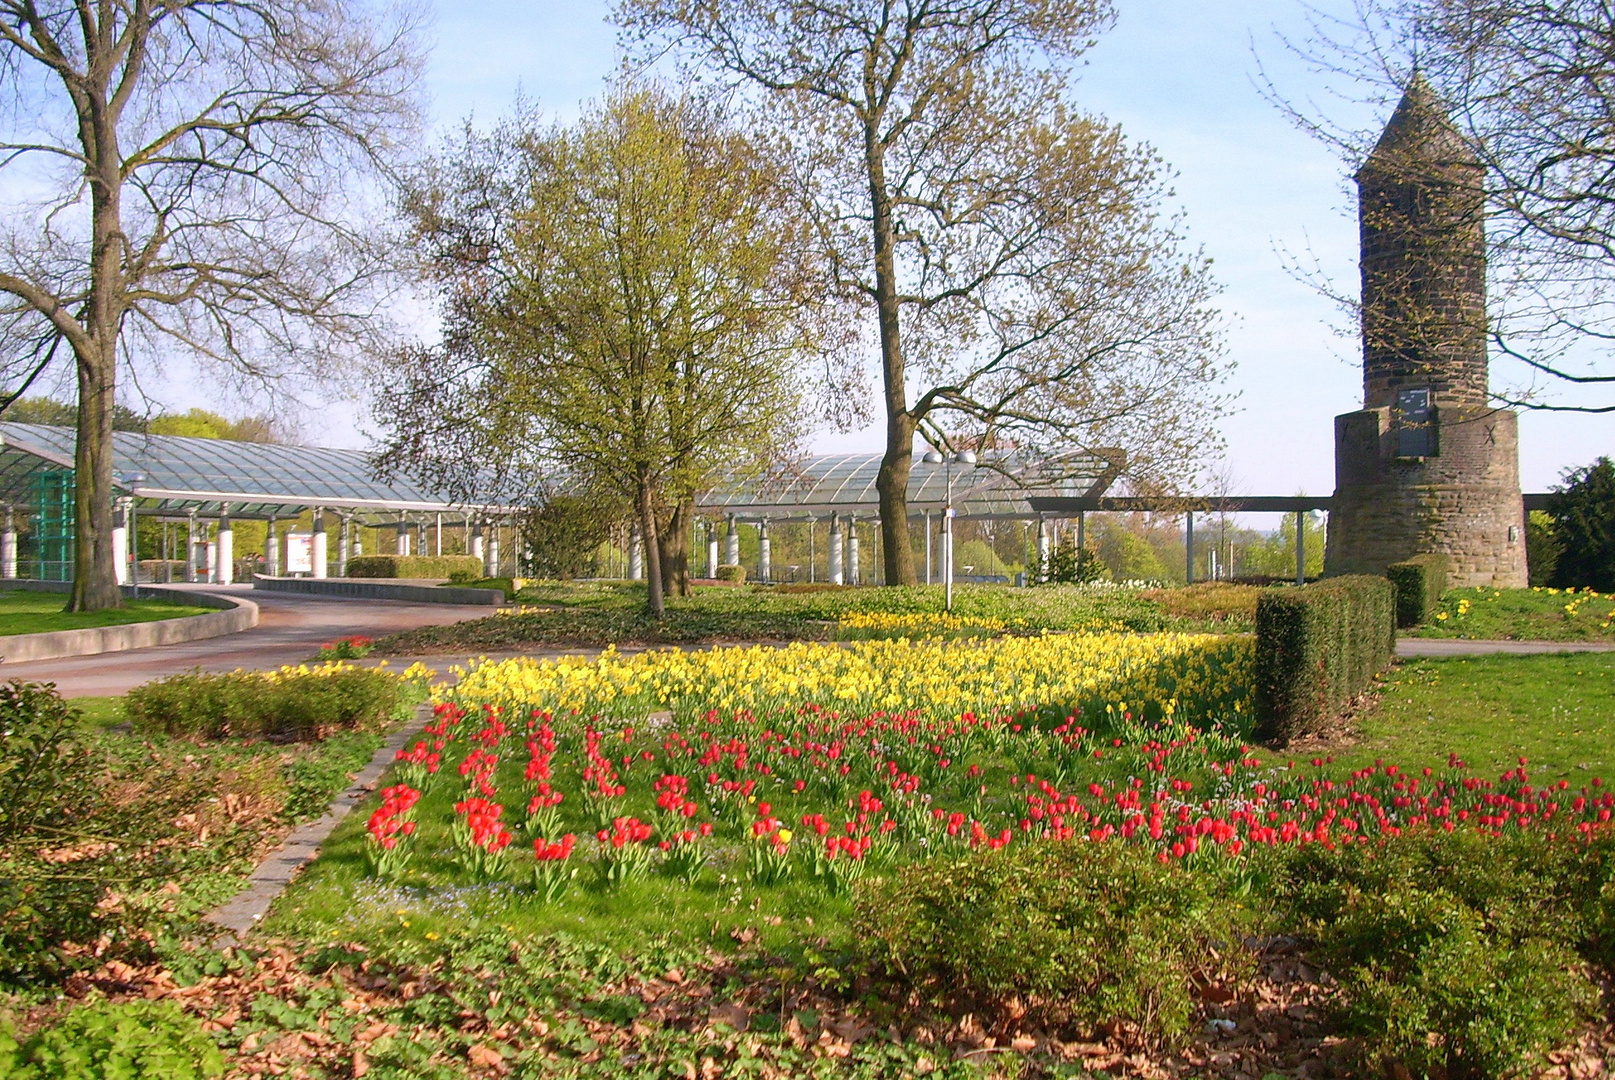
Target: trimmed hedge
{"x": 302, "y": 704}
{"x": 1317, "y": 647}
{"x": 732, "y": 573}
{"x": 1419, "y": 583}
{"x": 414, "y": 566}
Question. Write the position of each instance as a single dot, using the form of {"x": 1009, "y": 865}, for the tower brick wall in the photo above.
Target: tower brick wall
{"x": 1453, "y": 486}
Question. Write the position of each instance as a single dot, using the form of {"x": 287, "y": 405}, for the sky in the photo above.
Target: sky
{"x": 1181, "y": 75}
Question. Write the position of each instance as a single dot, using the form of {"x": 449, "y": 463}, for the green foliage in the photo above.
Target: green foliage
{"x": 280, "y": 705}
{"x": 1130, "y": 557}
{"x": 1542, "y": 547}
{"x": 1085, "y": 934}
{"x": 732, "y": 572}
{"x": 563, "y": 537}
{"x": 131, "y": 1040}
{"x": 1318, "y": 646}
{"x": 981, "y": 558}
{"x": 1456, "y": 951}
{"x": 1583, "y": 514}
{"x": 46, "y": 773}
{"x": 1419, "y": 583}
{"x": 414, "y": 566}
{"x": 1069, "y": 566}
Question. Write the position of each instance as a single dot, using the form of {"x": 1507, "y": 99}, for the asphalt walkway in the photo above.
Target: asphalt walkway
{"x": 290, "y": 629}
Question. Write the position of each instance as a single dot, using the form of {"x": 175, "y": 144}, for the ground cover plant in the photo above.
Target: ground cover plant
{"x": 1535, "y": 614}
{"x": 602, "y": 613}
{"x": 38, "y": 613}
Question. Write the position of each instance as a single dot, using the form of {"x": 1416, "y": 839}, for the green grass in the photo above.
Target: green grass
{"x": 1557, "y": 710}
{"x": 39, "y": 613}
{"x": 1537, "y": 614}
{"x": 599, "y": 613}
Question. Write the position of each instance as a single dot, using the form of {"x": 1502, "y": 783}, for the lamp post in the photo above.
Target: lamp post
{"x": 936, "y": 457}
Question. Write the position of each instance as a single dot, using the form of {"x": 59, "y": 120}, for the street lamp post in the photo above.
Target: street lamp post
{"x": 936, "y": 457}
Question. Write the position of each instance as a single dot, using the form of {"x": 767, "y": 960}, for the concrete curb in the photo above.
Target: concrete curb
{"x": 234, "y": 616}
{"x": 270, "y": 878}
{"x": 380, "y": 589}
{"x": 1408, "y": 648}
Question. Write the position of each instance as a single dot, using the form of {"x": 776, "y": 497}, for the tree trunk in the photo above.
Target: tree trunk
{"x": 653, "y": 552}
{"x": 676, "y": 550}
{"x": 892, "y": 480}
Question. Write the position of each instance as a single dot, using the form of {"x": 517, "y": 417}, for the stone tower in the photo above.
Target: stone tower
{"x": 1425, "y": 466}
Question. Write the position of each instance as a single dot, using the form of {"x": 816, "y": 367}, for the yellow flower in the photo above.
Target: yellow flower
{"x": 785, "y": 836}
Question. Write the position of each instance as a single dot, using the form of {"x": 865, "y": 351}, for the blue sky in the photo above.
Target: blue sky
{"x": 1178, "y": 74}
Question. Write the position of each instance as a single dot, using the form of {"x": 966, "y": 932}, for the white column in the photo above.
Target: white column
{"x": 765, "y": 561}
{"x": 493, "y": 552}
{"x": 401, "y": 538}
{"x": 712, "y": 551}
{"x": 475, "y": 550}
{"x": 835, "y": 550}
{"x": 731, "y": 551}
{"x": 437, "y": 541}
{"x": 272, "y": 549}
{"x": 120, "y": 543}
{"x": 344, "y": 544}
{"x": 852, "y": 551}
{"x": 8, "y": 548}
{"x": 1042, "y": 550}
{"x": 928, "y": 577}
{"x": 193, "y": 549}
{"x": 321, "y": 553}
{"x": 636, "y": 554}
{"x": 225, "y": 568}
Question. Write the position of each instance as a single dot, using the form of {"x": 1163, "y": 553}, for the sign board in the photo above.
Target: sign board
{"x": 299, "y": 553}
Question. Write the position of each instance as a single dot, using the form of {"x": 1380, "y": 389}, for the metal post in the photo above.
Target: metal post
{"x": 1082, "y": 532}
{"x": 437, "y": 538}
{"x": 712, "y": 550}
{"x": 1042, "y": 549}
{"x": 929, "y": 579}
{"x": 813, "y": 527}
{"x": 1188, "y": 547}
{"x": 271, "y": 549}
{"x": 1300, "y": 547}
{"x": 731, "y": 549}
{"x": 765, "y": 561}
{"x": 344, "y": 546}
{"x": 190, "y": 547}
{"x": 835, "y": 550}
{"x": 8, "y": 547}
{"x": 852, "y": 552}
{"x": 225, "y": 572}
{"x": 321, "y": 554}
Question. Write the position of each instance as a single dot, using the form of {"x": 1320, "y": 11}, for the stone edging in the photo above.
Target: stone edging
{"x": 235, "y": 615}
{"x": 270, "y": 878}
{"x": 380, "y": 589}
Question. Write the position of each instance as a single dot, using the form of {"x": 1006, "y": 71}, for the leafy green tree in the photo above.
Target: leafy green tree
{"x": 1583, "y": 513}
{"x": 53, "y": 413}
{"x": 565, "y": 536}
{"x": 1007, "y": 250}
{"x": 201, "y": 424}
{"x": 1128, "y": 556}
{"x": 627, "y": 311}
{"x": 1542, "y": 547}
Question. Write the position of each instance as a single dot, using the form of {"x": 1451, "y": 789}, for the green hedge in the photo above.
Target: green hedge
{"x": 414, "y": 566}
{"x": 1419, "y": 583}
{"x": 306, "y": 704}
{"x": 732, "y": 573}
{"x": 1317, "y": 647}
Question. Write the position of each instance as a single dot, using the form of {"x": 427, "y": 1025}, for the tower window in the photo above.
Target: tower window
{"x": 1415, "y": 423}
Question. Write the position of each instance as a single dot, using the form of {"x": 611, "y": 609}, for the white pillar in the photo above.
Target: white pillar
{"x": 765, "y": 562}
{"x": 475, "y": 550}
{"x": 120, "y": 543}
{"x": 401, "y": 539}
{"x": 344, "y": 544}
{"x": 225, "y": 572}
{"x": 636, "y": 554}
{"x": 8, "y": 548}
{"x": 712, "y": 551}
{"x": 852, "y": 551}
{"x": 928, "y": 577}
{"x": 1188, "y": 547}
{"x": 835, "y": 550}
{"x": 272, "y": 549}
{"x": 437, "y": 541}
{"x": 493, "y": 552}
{"x": 321, "y": 553}
{"x": 210, "y": 559}
{"x": 1042, "y": 549}
{"x": 731, "y": 553}
{"x": 193, "y": 549}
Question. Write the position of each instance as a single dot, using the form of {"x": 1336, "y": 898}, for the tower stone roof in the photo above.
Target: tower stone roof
{"x": 1421, "y": 133}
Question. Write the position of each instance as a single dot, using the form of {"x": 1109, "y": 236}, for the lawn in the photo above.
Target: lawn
{"x": 1537, "y": 614}
{"x": 38, "y": 613}
{"x": 1557, "y": 710}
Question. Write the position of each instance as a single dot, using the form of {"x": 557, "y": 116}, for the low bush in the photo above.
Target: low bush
{"x": 1081, "y": 935}
{"x": 1419, "y": 583}
{"x": 1318, "y": 647}
{"x": 149, "y": 1040}
{"x": 732, "y": 573}
{"x": 1215, "y": 601}
{"x": 414, "y": 566}
{"x": 293, "y": 703}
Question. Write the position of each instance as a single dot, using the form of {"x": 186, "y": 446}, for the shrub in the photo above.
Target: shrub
{"x": 152, "y": 1040}
{"x": 47, "y": 776}
{"x": 1217, "y": 601}
{"x": 1081, "y": 934}
{"x": 1318, "y": 646}
{"x": 1583, "y": 512}
{"x": 293, "y": 703}
{"x": 1419, "y": 583}
{"x": 414, "y": 566}
{"x": 732, "y": 573}
{"x": 1542, "y": 547}
{"x": 1069, "y": 565}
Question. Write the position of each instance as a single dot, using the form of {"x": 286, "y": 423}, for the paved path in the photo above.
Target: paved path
{"x": 290, "y": 629}
{"x": 1411, "y": 647}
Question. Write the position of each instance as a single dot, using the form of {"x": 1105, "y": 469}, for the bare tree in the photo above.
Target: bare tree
{"x": 189, "y": 175}
{"x": 1529, "y": 87}
{"x": 1024, "y": 288}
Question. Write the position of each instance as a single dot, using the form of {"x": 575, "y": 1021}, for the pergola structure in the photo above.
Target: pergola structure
{"x": 205, "y": 484}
